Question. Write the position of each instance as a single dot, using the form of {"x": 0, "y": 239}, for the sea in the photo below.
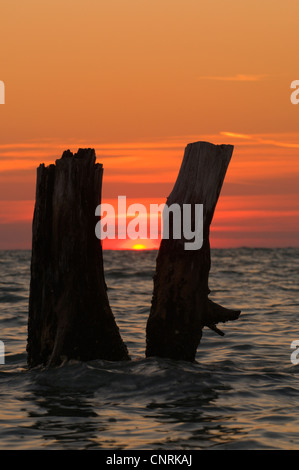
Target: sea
{"x": 241, "y": 392}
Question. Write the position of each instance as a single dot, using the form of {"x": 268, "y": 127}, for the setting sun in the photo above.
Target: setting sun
{"x": 139, "y": 247}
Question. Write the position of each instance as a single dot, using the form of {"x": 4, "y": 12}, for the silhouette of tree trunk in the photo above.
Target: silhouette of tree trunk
{"x": 180, "y": 304}
{"x": 69, "y": 312}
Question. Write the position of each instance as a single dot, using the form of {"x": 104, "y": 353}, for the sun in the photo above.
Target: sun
{"x": 139, "y": 246}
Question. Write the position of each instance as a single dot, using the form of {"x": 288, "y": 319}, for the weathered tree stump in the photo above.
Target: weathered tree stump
{"x": 180, "y": 304}
{"x": 69, "y": 312}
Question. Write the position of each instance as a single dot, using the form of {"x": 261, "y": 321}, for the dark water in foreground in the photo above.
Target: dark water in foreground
{"x": 241, "y": 394}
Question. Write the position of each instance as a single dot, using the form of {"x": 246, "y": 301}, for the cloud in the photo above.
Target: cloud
{"x": 261, "y": 140}
{"x": 235, "y": 78}
{"x": 237, "y": 136}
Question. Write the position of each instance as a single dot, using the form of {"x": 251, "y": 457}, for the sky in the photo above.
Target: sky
{"x": 138, "y": 81}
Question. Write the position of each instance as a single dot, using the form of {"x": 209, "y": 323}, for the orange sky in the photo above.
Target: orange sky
{"x": 137, "y": 81}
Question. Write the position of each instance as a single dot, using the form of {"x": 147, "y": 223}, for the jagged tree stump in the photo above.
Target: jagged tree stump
{"x": 180, "y": 305}
{"x": 69, "y": 312}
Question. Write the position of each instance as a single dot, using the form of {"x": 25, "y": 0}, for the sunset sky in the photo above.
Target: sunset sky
{"x": 138, "y": 80}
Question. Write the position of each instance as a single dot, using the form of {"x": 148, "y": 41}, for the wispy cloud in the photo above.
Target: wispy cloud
{"x": 235, "y": 78}
{"x": 261, "y": 140}
{"x": 140, "y": 155}
{"x": 236, "y": 135}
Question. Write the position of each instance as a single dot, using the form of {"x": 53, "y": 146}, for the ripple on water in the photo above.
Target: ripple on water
{"x": 240, "y": 393}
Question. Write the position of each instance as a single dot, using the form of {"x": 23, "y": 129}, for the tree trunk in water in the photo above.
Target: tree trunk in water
{"x": 180, "y": 304}
{"x": 69, "y": 312}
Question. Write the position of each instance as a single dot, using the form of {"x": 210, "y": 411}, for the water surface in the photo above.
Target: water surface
{"x": 242, "y": 392}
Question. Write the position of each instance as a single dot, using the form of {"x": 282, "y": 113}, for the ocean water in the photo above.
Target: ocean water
{"x": 241, "y": 393}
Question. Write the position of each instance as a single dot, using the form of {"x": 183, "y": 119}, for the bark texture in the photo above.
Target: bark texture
{"x": 180, "y": 305}
{"x": 69, "y": 312}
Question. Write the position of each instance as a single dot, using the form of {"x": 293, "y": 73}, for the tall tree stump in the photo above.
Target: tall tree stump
{"x": 69, "y": 312}
{"x": 180, "y": 304}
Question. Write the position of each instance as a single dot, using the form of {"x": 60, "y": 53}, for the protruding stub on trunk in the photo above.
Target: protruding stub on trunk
{"x": 180, "y": 305}
{"x": 215, "y": 313}
{"x": 69, "y": 312}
